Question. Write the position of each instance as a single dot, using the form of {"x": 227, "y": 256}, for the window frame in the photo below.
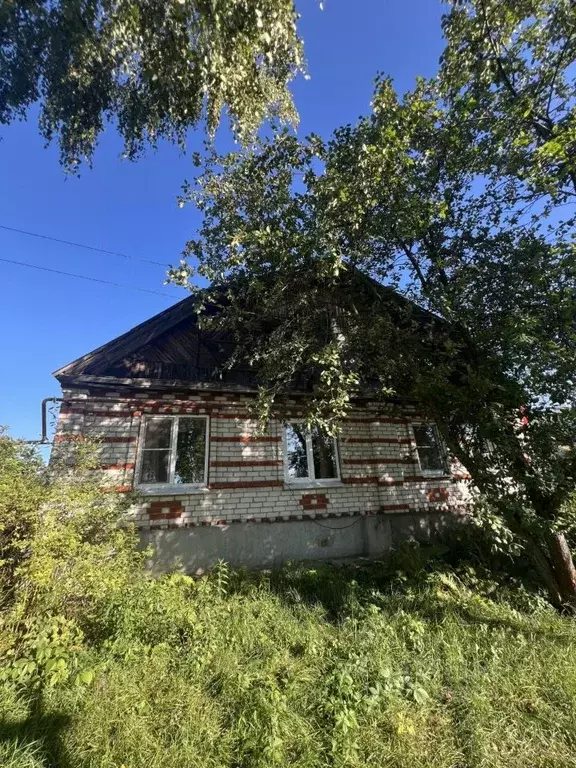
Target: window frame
{"x": 171, "y": 487}
{"x": 309, "y": 482}
{"x": 441, "y": 448}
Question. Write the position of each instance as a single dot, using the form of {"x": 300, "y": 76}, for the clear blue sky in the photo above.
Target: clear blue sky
{"x": 48, "y": 320}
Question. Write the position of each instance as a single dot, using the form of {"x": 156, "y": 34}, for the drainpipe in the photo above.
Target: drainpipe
{"x": 44, "y": 439}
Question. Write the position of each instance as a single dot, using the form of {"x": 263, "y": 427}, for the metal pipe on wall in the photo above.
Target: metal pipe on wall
{"x": 44, "y": 438}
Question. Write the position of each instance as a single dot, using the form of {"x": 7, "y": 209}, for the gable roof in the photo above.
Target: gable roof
{"x": 171, "y": 345}
{"x": 130, "y": 341}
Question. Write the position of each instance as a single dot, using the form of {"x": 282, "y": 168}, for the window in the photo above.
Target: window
{"x": 429, "y": 448}
{"x": 174, "y": 452}
{"x": 310, "y": 456}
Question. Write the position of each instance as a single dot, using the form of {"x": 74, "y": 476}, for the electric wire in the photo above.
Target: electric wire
{"x": 86, "y": 277}
{"x": 82, "y": 245}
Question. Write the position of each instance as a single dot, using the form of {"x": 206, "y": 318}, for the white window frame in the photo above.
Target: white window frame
{"x": 171, "y": 488}
{"x": 441, "y": 447}
{"x": 310, "y": 481}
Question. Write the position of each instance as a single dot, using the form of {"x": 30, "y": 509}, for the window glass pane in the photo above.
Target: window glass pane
{"x": 158, "y": 433}
{"x": 296, "y": 451}
{"x": 324, "y": 454}
{"x": 155, "y": 466}
{"x": 190, "y": 451}
{"x": 429, "y": 450}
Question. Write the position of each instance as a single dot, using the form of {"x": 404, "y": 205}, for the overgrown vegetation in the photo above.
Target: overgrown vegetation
{"x": 437, "y": 656}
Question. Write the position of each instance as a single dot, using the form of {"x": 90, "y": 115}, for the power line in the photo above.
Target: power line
{"x": 81, "y": 245}
{"x": 85, "y": 277}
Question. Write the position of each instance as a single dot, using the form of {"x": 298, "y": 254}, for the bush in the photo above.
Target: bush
{"x": 22, "y": 487}
{"x": 68, "y": 558}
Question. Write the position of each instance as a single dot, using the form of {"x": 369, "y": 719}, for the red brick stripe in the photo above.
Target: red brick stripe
{"x": 247, "y": 484}
{"x": 376, "y": 440}
{"x": 165, "y": 510}
{"x": 162, "y": 504}
{"x": 394, "y": 508}
{"x": 246, "y": 439}
{"x": 165, "y": 515}
{"x": 375, "y": 420}
{"x": 314, "y": 501}
{"x": 176, "y": 410}
{"x": 167, "y": 410}
{"x": 77, "y": 438}
{"x": 425, "y": 478}
{"x": 374, "y": 480}
{"x": 438, "y": 494}
{"x": 92, "y": 412}
{"x": 117, "y": 466}
{"x": 247, "y": 463}
{"x": 244, "y": 416}
{"x": 368, "y": 480}
{"x": 377, "y": 461}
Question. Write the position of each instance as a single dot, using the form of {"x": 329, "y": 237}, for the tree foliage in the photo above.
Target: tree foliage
{"x": 452, "y": 194}
{"x": 508, "y": 72}
{"x": 155, "y": 67}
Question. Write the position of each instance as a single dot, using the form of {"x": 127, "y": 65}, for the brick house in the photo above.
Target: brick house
{"x": 207, "y": 485}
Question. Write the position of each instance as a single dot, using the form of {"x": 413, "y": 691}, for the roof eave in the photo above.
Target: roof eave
{"x": 131, "y": 339}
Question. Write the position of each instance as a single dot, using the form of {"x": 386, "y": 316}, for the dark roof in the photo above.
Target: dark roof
{"x": 171, "y": 346}
{"x": 128, "y": 342}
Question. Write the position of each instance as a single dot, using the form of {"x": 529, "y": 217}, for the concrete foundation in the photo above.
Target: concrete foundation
{"x": 422, "y": 527}
{"x": 258, "y": 545}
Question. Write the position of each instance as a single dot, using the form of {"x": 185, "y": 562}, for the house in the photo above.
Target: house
{"x": 208, "y": 485}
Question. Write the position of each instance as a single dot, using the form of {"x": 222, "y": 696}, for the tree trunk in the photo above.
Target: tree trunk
{"x": 553, "y": 562}
{"x": 551, "y": 557}
{"x": 545, "y": 571}
{"x": 563, "y": 564}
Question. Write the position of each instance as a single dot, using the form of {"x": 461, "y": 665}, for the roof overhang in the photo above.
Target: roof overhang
{"x": 128, "y": 342}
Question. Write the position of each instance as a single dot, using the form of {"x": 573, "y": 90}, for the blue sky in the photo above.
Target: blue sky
{"x": 47, "y": 320}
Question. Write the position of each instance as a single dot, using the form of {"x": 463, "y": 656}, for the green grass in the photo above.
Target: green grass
{"x": 310, "y": 667}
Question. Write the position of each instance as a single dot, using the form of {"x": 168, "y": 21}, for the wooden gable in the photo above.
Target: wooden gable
{"x": 169, "y": 346}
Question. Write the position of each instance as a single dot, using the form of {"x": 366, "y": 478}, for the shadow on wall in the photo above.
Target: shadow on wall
{"x": 269, "y": 545}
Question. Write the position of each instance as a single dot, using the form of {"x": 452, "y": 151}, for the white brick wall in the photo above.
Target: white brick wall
{"x": 378, "y": 462}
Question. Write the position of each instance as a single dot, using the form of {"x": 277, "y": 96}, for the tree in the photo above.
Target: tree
{"x": 307, "y": 234}
{"x": 507, "y": 72}
{"x": 155, "y": 67}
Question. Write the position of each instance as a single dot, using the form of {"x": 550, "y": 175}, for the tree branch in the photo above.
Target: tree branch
{"x": 414, "y": 263}
{"x": 503, "y": 74}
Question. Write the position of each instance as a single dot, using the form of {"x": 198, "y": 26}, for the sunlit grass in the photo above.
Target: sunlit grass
{"x": 310, "y": 667}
